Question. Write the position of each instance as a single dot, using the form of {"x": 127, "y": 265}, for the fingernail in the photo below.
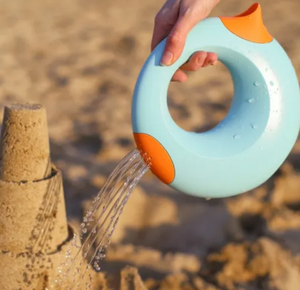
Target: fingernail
{"x": 167, "y": 58}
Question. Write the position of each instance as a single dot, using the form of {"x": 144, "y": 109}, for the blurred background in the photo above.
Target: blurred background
{"x": 81, "y": 59}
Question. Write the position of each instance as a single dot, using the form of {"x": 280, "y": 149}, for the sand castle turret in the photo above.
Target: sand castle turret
{"x": 25, "y": 153}
{"x": 34, "y": 234}
{"x": 32, "y": 216}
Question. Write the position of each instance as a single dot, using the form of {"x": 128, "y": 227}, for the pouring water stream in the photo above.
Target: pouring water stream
{"x": 100, "y": 222}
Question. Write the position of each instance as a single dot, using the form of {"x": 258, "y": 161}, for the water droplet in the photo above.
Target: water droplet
{"x": 68, "y": 254}
{"x": 236, "y": 136}
{"x": 271, "y": 83}
{"x": 96, "y": 266}
{"x": 254, "y": 126}
{"x": 251, "y": 100}
{"x": 84, "y": 230}
{"x": 208, "y": 198}
{"x": 256, "y": 84}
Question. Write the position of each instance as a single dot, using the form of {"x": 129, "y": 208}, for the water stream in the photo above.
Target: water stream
{"x": 99, "y": 224}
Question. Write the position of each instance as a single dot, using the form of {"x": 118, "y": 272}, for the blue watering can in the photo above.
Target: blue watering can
{"x": 257, "y": 134}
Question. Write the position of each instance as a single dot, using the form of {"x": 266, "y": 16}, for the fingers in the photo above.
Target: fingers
{"x": 211, "y": 59}
{"x": 176, "y": 40}
{"x": 164, "y": 21}
{"x": 190, "y": 13}
{"x": 174, "y": 21}
{"x": 179, "y": 76}
{"x": 161, "y": 30}
{"x": 200, "y": 59}
{"x": 195, "y": 62}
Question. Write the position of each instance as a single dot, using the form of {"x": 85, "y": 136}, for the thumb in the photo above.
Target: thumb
{"x": 176, "y": 40}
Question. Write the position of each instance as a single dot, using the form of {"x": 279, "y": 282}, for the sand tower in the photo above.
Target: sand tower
{"x": 34, "y": 233}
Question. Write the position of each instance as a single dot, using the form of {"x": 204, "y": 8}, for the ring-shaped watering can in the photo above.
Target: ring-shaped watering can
{"x": 255, "y": 137}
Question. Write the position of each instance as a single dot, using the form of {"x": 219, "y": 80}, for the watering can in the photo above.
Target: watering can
{"x": 255, "y": 137}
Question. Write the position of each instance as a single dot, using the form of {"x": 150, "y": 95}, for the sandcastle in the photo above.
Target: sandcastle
{"x": 35, "y": 237}
{"x": 34, "y": 233}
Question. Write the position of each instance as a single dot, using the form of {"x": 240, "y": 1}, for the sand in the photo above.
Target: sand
{"x": 80, "y": 59}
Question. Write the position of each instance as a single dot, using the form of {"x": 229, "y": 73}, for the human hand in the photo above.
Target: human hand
{"x": 174, "y": 21}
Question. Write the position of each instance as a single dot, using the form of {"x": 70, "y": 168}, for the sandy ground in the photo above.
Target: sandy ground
{"x": 81, "y": 58}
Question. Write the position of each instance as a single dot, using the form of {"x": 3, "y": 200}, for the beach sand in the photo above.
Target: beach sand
{"x": 81, "y": 59}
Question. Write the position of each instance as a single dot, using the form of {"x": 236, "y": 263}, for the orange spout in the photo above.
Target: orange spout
{"x": 161, "y": 163}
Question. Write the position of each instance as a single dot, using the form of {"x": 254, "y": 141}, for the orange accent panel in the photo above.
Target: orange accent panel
{"x": 249, "y": 25}
{"x": 160, "y": 161}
